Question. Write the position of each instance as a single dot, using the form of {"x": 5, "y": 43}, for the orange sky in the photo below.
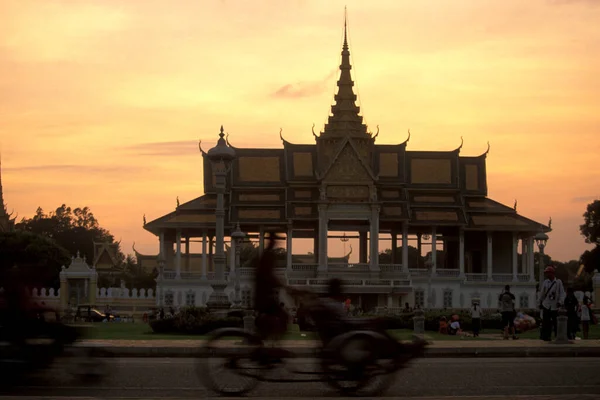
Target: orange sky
{"x": 102, "y": 102}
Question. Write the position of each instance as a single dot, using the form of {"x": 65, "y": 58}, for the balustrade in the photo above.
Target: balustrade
{"x": 448, "y": 273}
{"x": 476, "y": 277}
{"x": 502, "y": 277}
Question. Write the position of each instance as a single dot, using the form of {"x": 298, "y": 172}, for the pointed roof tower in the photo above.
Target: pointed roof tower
{"x": 345, "y": 119}
{"x": 6, "y": 223}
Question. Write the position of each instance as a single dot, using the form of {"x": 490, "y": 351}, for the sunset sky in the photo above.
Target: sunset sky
{"x": 102, "y": 102}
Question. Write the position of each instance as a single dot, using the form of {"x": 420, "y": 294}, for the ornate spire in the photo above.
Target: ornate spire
{"x": 345, "y": 120}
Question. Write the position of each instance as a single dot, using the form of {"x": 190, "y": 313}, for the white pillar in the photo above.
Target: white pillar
{"x": 530, "y": 259}
{"x": 289, "y": 248}
{"x": 323, "y": 220}
{"x": 232, "y": 245}
{"x": 433, "y": 251}
{"x": 405, "y": 246}
{"x": 515, "y": 256}
{"x": 261, "y": 240}
{"x": 187, "y": 253}
{"x": 178, "y": 255}
{"x": 524, "y": 266}
{"x": 461, "y": 252}
{"x": 204, "y": 263}
{"x": 374, "y": 238}
{"x": 161, "y": 246}
{"x": 489, "y": 256}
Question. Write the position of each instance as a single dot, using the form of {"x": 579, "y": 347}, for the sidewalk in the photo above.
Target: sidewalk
{"x": 308, "y": 348}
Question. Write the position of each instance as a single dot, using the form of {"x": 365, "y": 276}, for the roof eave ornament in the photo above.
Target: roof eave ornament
{"x": 144, "y": 219}
{"x": 281, "y": 137}
{"x": 376, "y": 134}
{"x": 487, "y": 151}
{"x": 550, "y": 223}
{"x": 462, "y": 141}
{"x": 227, "y": 141}
{"x": 133, "y": 248}
{"x": 200, "y": 148}
{"x": 407, "y": 139}
{"x": 515, "y": 205}
{"x": 313, "y": 131}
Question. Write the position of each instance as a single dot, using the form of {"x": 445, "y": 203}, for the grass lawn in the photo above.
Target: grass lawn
{"x": 141, "y": 331}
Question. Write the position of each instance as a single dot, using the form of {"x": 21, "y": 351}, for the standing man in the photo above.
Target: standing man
{"x": 552, "y": 296}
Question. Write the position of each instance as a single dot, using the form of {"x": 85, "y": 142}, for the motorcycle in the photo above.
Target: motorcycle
{"x": 354, "y": 357}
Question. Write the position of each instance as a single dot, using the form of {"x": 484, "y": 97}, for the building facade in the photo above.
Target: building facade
{"x": 345, "y": 182}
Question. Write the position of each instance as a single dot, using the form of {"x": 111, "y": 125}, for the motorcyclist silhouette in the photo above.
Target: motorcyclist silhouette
{"x": 272, "y": 318}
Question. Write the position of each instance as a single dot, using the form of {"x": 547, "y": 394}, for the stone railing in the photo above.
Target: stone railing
{"x": 502, "y": 277}
{"x": 448, "y": 273}
{"x": 419, "y": 272}
{"x": 476, "y": 277}
{"x": 391, "y": 267}
{"x": 124, "y": 293}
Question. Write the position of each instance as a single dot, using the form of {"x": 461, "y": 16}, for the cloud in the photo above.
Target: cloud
{"x": 585, "y": 199}
{"x": 304, "y": 89}
{"x": 586, "y": 2}
{"x": 70, "y": 168}
{"x": 179, "y": 148}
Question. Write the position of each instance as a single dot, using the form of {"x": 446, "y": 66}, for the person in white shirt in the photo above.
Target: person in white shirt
{"x": 552, "y": 296}
{"x": 586, "y": 314}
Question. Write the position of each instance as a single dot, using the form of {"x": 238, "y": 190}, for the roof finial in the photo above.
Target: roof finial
{"x": 222, "y": 132}
{"x": 345, "y": 28}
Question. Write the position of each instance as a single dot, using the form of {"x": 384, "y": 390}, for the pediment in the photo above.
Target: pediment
{"x": 348, "y": 166}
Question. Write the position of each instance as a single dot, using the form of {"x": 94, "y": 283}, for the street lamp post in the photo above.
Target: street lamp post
{"x": 237, "y": 236}
{"x": 221, "y": 158}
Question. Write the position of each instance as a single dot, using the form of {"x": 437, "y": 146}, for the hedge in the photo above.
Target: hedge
{"x": 195, "y": 321}
{"x": 489, "y": 320}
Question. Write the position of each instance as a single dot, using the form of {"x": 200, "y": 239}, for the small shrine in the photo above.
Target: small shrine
{"x": 78, "y": 283}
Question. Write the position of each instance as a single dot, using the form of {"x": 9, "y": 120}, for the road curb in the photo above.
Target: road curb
{"x": 432, "y": 352}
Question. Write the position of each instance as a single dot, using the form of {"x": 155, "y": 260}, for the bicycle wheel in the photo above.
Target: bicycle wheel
{"x": 354, "y": 368}
{"x": 230, "y": 362}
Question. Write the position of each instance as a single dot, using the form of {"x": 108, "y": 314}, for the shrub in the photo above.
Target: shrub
{"x": 194, "y": 321}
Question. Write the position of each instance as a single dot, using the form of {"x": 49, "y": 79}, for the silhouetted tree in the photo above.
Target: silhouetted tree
{"x": 38, "y": 258}
{"x": 591, "y": 225}
{"x": 75, "y": 230}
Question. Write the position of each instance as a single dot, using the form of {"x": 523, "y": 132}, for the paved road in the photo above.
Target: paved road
{"x": 560, "y": 378}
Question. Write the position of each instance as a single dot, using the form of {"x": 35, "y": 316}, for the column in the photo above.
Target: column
{"x": 211, "y": 246}
{"x": 261, "y": 240}
{"x": 323, "y": 221}
{"x": 390, "y": 301}
{"x": 433, "y": 251}
{"x": 289, "y": 248}
{"x": 524, "y": 266}
{"x": 530, "y": 259}
{"x": 489, "y": 256}
{"x": 316, "y": 246}
{"x": 461, "y": 252}
{"x": 161, "y": 245}
{"x": 405, "y": 265}
{"x": 363, "y": 247}
{"x": 232, "y": 245}
{"x": 515, "y": 256}
{"x": 64, "y": 292}
{"x": 178, "y": 255}
{"x": 394, "y": 246}
{"x": 420, "y": 249}
{"x": 374, "y": 237}
{"x": 204, "y": 263}
{"x": 187, "y": 253}
{"x": 92, "y": 289}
